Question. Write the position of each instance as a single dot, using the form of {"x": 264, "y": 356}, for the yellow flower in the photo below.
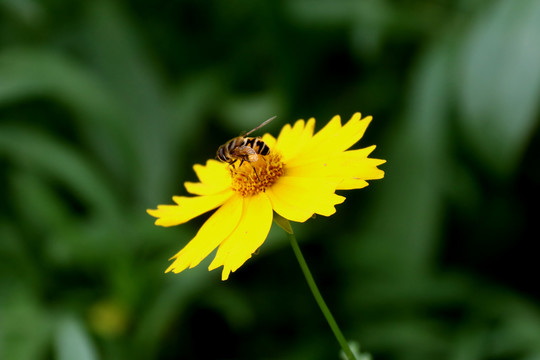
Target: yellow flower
{"x": 297, "y": 179}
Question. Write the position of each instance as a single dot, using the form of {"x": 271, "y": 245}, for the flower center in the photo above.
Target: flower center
{"x": 253, "y": 177}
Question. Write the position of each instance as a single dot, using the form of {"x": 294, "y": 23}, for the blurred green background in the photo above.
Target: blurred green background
{"x": 106, "y": 105}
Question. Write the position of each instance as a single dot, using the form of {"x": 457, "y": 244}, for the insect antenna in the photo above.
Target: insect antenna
{"x": 260, "y": 126}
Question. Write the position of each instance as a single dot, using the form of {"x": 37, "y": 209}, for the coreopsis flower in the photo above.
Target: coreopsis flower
{"x": 296, "y": 179}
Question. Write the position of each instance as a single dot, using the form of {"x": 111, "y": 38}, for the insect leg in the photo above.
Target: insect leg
{"x": 231, "y": 165}
{"x": 255, "y": 170}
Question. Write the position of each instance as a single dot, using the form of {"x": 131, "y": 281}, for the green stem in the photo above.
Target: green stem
{"x": 318, "y": 297}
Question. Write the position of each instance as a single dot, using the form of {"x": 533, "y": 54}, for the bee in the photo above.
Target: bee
{"x": 244, "y": 148}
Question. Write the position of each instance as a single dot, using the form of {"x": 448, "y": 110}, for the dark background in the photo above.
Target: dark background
{"x": 106, "y": 105}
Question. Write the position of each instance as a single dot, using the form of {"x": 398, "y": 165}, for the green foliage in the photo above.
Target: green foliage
{"x": 105, "y": 106}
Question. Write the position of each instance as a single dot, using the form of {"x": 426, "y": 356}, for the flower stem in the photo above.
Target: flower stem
{"x": 318, "y": 297}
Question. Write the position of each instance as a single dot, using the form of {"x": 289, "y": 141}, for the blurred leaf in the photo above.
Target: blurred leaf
{"x": 165, "y": 306}
{"x": 17, "y": 263}
{"x": 191, "y": 101}
{"x": 43, "y": 154}
{"x": 468, "y": 344}
{"x": 232, "y": 305}
{"x": 47, "y": 210}
{"x": 367, "y": 20}
{"x": 116, "y": 49}
{"x": 44, "y": 212}
{"x": 414, "y": 338}
{"x": 72, "y": 340}
{"x": 29, "y": 72}
{"x": 336, "y": 13}
{"x": 26, "y": 11}
{"x": 518, "y": 327}
{"x": 499, "y": 83}
{"x": 411, "y": 196}
{"x": 245, "y": 113}
{"x": 24, "y": 327}
{"x": 11, "y": 244}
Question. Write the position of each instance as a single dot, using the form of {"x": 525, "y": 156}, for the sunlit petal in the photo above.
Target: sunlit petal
{"x": 214, "y": 178}
{"x": 247, "y": 237}
{"x": 333, "y": 139}
{"x": 353, "y": 164}
{"x": 269, "y": 140}
{"x": 187, "y": 208}
{"x": 216, "y": 229}
{"x": 198, "y": 188}
{"x": 297, "y": 198}
{"x": 292, "y": 140}
{"x": 214, "y": 171}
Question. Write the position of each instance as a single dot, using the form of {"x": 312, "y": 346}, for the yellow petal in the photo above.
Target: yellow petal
{"x": 210, "y": 235}
{"x": 352, "y": 183}
{"x": 333, "y": 139}
{"x": 348, "y": 135}
{"x": 349, "y": 164}
{"x": 187, "y": 208}
{"x": 292, "y": 140}
{"x": 298, "y": 198}
{"x": 206, "y": 188}
{"x": 214, "y": 177}
{"x": 269, "y": 140}
{"x": 328, "y": 131}
{"x": 212, "y": 169}
{"x": 248, "y": 236}
{"x": 355, "y": 164}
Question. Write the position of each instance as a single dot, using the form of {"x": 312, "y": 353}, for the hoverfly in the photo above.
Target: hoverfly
{"x": 244, "y": 148}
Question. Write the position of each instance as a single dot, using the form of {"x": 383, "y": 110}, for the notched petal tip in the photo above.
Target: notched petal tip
{"x": 159, "y": 215}
{"x": 247, "y": 237}
{"x": 356, "y": 116}
{"x": 336, "y": 118}
{"x": 216, "y": 229}
{"x": 366, "y": 118}
{"x": 169, "y": 269}
{"x": 379, "y": 175}
{"x": 225, "y": 274}
{"x": 187, "y": 208}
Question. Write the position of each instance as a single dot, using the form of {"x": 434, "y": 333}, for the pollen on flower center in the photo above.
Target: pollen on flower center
{"x": 253, "y": 177}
